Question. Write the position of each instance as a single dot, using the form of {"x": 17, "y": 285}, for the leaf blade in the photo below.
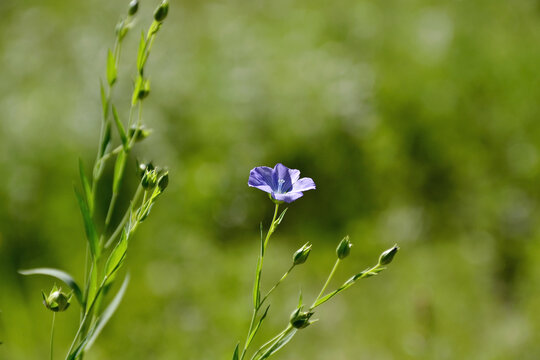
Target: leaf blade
{"x": 60, "y": 275}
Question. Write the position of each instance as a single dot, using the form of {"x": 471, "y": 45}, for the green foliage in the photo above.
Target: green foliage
{"x": 417, "y": 120}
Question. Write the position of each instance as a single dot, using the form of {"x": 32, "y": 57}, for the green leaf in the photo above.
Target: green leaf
{"x": 139, "y": 83}
{"x": 120, "y": 128}
{"x": 92, "y": 287}
{"x": 118, "y": 171}
{"x": 104, "y": 101}
{"x": 111, "y": 68}
{"x": 98, "y": 326}
{"x": 280, "y": 218}
{"x": 107, "y": 314}
{"x": 60, "y": 275}
{"x": 254, "y": 332}
{"x": 106, "y": 139}
{"x": 235, "y": 355}
{"x": 87, "y": 188}
{"x": 278, "y": 345}
{"x": 141, "y": 54}
{"x": 89, "y": 227}
{"x": 117, "y": 256}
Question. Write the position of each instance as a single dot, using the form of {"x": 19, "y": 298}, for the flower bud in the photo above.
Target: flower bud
{"x": 387, "y": 256}
{"x": 161, "y": 12}
{"x": 163, "y": 181}
{"x": 344, "y": 248}
{"x": 300, "y": 319}
{"x": 57, "y": 300}
{"x": 139, "y": 133}
{"x": 144, "y": 89}
{"x": 301, "y": 255}
{"x": 149, "y": 179}
{"x": 133, "y": 7}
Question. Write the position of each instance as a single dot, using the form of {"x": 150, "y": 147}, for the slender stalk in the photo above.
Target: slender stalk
{"x": 277, "y": 284}
{"x": 52, "y": 333}
{"x": 258, "y": 278}
{"x": 122, "y": 223}
{"x": 272, "y": 341}
{"x": 326, "y": 284}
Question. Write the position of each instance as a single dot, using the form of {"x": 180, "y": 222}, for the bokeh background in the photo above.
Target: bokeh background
{"x": 418, "y": 120}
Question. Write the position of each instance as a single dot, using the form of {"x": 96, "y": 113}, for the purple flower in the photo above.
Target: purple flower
{"x": 282, "y": 183}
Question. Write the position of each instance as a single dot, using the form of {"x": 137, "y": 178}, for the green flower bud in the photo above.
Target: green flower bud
{"x": 344, "y": 248}
{"x": 387, "y": 256}
{"x": 300, "y": 319}
{"x": 144, "y": 89}
{"x": 57, "y": 300}
{"x": 149, "y": 180}
{"x": 133, "y": 7}
{"x": 139, "y": 133}
{"x": 163, "y": 181}
{"x": 301, "y": 255}
{"x": 161, "y": 12}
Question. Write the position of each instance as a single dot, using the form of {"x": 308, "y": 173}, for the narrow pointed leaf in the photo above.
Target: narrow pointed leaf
{"x": 92, "y": 287}
{"x": 98, "y": 326}
{"x": 278, "y": 345}
{"x": 117, "y": 256}
{"x": 111, "y": 68}
{"x": 280, "y": 218}
{"x": 104, "y": 101}
{"x": 89, "y": 227}
{"x": 120, "y": 128}
{"x": 108, "y": 313}
{"x": 141, "y": 54}
{"x": 118, "y": 171}
{"x": 86, "y": 187}
{"x": 254, "y": 332}
{"x": 60, "y": 275}
{"x": 235, "y": 355}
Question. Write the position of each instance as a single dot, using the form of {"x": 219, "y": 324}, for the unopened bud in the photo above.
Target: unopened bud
{"x": 163, "y": 181}
{"x": 387, "y": 256}
{"x": 344, "y": 248}
{"x": 144, "y": 89}
{"x": 57, "y": 300}
{"x": 161, "y": 12}
{"x": 142, "y": 167}
{"x": 149, "y": 179}
{"x": 300, "y": 319}
{"x": 301, "y": 255}
{"x": 133, "y": 7}
{"x": 139, "y": 133}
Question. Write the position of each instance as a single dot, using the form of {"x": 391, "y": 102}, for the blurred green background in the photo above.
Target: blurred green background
{"x": 418, "y": 120}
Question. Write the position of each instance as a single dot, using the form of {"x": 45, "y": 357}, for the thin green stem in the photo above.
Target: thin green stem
{"x": 327, "y": 282}
{"x": 272, "y": 341}
{"x": 258, "y": 278}
{"x": 126, "y": 217}
{"x": 52, "y": 333}
{"x": 277, "y": 284}
{"x": 87, "y": 312}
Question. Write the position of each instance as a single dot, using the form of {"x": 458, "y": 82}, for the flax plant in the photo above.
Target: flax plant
{"x": 107, "y": 240}
{"x": 284, "y": 185}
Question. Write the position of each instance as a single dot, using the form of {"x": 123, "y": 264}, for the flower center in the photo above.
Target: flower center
{"x": 280, "y": 186}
